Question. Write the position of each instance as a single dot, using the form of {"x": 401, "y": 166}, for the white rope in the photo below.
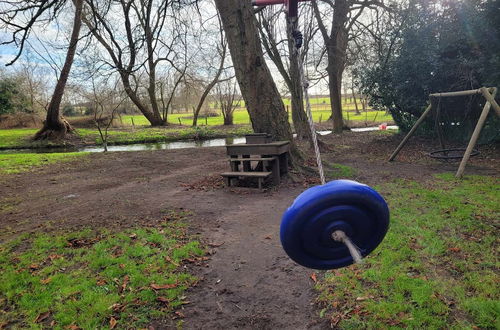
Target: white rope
{"x": 340, "y": 236}
{"x": 305, "y": 86}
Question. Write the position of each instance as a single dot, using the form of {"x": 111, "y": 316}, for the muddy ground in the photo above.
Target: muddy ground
{"x": 248, "y": 282}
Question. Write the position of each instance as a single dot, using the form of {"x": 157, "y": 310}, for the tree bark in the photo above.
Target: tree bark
{"x": 262, "y": 99}
{"x": 55, "y": 126}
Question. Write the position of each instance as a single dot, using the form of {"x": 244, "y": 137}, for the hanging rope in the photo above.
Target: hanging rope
{"x": 305, "y": 85}
{"x": 338, "y": 236}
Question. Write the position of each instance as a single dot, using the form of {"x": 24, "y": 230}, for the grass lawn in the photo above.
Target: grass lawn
{"x": 20, "y": 138}
{"x": 93, "y": 280}
{"x": 241, "y": 117}
{"x": 10, "y": 138}
{"x": 16, "y": 163}
{"x": 151, "y": 135}
{"x": 437, "y": 267}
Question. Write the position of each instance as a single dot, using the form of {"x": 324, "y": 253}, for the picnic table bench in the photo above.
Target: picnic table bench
{"x": 271, "y": 161}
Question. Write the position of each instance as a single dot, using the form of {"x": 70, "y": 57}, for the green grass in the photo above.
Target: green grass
{"x": 437, "y": 267}
{"x": 151, "y": 135}
{"x": 10, "y": 138}
{"x": 90, "y": 279}
{"x": 241, "y": 117}
{"x": 16, "y": 163}
{"x": 20, "y": 138}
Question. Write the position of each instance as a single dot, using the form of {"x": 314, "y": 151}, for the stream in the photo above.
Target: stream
{"x": 161, "y": 145}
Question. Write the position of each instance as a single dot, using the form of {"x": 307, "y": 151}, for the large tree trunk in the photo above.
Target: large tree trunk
{"x": 335, "y": 83}
{"x": 55, "y": 126}
{"x": 336, "y": 48}
{"x": 262, "y": 99}
{"x": 299, "y": 116}
{"x": 337, "y": 56}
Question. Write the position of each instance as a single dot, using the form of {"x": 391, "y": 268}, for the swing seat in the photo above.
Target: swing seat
{"x": 342, "y": 205}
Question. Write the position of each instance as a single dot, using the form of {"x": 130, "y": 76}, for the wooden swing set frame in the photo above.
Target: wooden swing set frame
{"x": 488, "y": 93}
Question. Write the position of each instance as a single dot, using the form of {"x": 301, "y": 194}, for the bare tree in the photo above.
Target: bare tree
{"x": 21, "y": 17}
{"x": 221, "y": 52}
{"x": 226, "y": 93}
{"x": 137, "y": 44}
{"x": 341, "y": 16}
{"x": 167, "y": 86}
{"x": 106, "y": 102}
{"x": 269, "y": 25}
{"x": 34, "y": 84}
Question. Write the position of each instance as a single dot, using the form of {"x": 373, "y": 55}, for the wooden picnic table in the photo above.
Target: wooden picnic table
{"x": 275, "y": 152}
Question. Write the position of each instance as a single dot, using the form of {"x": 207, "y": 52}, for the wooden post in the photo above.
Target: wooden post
{"x": 475, "y": 136}
{"x": 459, "y": 93}
{"x": 491, "y": 99}
{"x": 410, "y": 133}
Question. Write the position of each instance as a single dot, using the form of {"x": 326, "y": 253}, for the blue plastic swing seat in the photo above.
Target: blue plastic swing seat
{"x": 307, "y": 226}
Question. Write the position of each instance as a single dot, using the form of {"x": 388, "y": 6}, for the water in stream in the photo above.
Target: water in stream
{"x": 162, "y": 145}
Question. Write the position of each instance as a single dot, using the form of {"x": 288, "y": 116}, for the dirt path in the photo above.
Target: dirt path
{"x": 248, "y": 282}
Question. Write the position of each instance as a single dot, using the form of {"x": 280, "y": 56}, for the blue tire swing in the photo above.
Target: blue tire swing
{"x": 309, "y": 226}
{"x": 337, "y": 223}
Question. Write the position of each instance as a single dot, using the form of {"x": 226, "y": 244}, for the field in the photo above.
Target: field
{"x": 320, "y": 109}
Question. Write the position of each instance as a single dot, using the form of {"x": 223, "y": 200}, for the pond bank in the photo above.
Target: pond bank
{"x": 21, "y": 138}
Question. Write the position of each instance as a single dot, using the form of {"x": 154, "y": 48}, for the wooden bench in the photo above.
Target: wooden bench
{"x": 263, "y": 165}
{"x": 259, "y": 175}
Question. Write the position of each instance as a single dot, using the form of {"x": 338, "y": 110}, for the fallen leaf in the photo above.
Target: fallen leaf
{"x": 117, "y": 307}
{"x": 125, "y": 283}
{"x": 53, "y": 323}
{"x": 179, "y": 314}
{"x": 168, "y": 259}
{"x": 112, "y": 323}
{"x": 454, "y": 249}
{"x": 73, "y": 327}
{"x": 163, "y": 300}
{"x": 42, "y": 317}
{"x": 122, "y": 266}
{"x": 46, "y": 281}
{"x": 133, "y": 236}
{"x": 34, "y": 266}
{"x": 101, "y": 282}
{"x": 52, "y": 257}
{"x": 163, "y": 286}
{"x": 313, "y": 277}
